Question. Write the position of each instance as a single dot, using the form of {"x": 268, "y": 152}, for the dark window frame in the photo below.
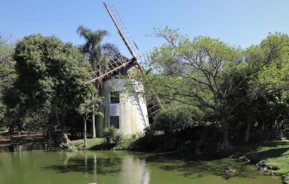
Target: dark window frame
{"x": 114, "y": 97}
{"x": 114, "y": 121}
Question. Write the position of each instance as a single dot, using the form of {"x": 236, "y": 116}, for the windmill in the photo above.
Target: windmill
{"x": 132, "y": 116}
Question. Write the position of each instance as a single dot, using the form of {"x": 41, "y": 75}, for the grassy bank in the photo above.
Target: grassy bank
{"x": 125, "y": 143}
{"x": 91, "y": 143}
{"x": 273, "y": 155}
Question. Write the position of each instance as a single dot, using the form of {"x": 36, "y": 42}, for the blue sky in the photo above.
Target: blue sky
{"x": 240, "y": 23}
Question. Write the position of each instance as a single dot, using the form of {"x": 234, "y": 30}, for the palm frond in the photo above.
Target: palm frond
{"x": 110, "y": 49}
{"x": 98, "y": 54}
{"x": 84, "y": 32}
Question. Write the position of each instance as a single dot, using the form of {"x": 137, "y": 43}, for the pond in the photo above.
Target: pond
{"x": 121, "y": 167}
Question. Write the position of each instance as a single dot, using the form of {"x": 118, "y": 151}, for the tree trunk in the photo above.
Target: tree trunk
{"x": 63, "y": 128}
{"x": 247, "y": 135}
{"x": 84, "y": 134}
{"x": 227, "y": 144}
{"x": 280, "y": 129}
{"x": 58, "y": 120}
{"x": 93, "y": 119}
{"x": 66, "y": 138}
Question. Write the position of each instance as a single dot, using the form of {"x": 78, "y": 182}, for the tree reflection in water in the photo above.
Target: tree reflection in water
{"x": 127, "y": 167}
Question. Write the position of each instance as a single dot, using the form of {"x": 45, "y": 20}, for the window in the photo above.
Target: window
{"x": 114, "y": 121}
{"x": 114, "y": 97}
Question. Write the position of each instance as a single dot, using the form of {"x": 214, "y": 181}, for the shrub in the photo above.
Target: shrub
{"x": 127, "y": 142}
{"x": 148, "y": 131}
{"x": 68, "y": 146}
{"x": 177, "y": 118}
{"x": 111, "y": 136}
{"x": 117, "y": 138}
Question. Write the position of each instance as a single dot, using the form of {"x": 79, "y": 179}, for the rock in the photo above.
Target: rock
{"x": 229, "y": 170}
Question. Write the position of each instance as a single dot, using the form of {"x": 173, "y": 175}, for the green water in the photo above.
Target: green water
{"x": 119, "y": 167}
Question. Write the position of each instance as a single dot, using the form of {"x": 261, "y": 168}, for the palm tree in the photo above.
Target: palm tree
{"x": 99, "y": 54}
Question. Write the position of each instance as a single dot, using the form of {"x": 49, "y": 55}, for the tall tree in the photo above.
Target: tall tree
{"x": 87, "y": 108}
{"x": 50, "y": 76}
{"x": 210, "y": 72}
{"x": 268, "y": 88}
{"x": 98, "y": 53}
{"x": 7, "y": 72}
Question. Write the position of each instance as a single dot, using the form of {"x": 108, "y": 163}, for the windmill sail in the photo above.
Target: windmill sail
{"x": 153, "y": 103}
{"x": 122, "y": 31}
{"x": 115, "y": 65}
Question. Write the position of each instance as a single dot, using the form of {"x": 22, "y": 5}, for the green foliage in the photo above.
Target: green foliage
{"x": 177, "y": 118}
{"x": 127, "y": 142}
{"x": 91, "y": 143}
{"x": 111, "y": 135}
{"x": 198, "y": 80}
{"x": 148, "y": 131}
{"x": 90, "y": 104}
{"x": 98, "y": 53}
{"x": 69, "y": 147}
{"x": 271, "y": 154}
{"x": 7, "y": 73}
{"x": 49, "y": 86}
{"x": 49, "y": 70}
{"x": 215, "y": 77}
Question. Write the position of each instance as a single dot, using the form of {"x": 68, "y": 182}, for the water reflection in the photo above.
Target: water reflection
{"x": 128, "y": 168}
{"x": 20, "y": 148}
{"x": 119, "y": 167}
{"x": 134, "y": 170}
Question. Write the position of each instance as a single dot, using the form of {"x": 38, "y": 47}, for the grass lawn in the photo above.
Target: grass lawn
{"x": 274, "y": 155}
{"x": 90, "y": 143}
{"x": 126, "y": 143}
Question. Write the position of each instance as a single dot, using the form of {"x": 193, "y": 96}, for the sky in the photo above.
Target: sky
{"x": 237, "y": 22}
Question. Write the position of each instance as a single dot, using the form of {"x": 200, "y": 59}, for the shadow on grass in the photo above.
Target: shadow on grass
{"x": 267, "y": 150}
{"x": 201, "y": 166}
{"x": 271, "y": 153}
{"x": 276, "y": 143}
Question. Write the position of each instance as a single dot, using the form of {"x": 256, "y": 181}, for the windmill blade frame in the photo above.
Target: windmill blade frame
{"x": 153, "y": 104}
{"x": 122, "y": 31}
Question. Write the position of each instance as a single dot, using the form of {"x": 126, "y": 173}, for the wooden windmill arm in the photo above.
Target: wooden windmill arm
{"x": 109, "y": 72}
{"x": 129, "y": 43}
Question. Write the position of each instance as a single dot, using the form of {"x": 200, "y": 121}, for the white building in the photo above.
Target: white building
{"x": 124, "y": 109}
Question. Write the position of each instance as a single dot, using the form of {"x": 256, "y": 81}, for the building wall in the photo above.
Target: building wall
{"x": 131, "y": 109}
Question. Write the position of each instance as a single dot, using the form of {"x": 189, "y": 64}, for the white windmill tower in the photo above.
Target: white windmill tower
{"x": 129, "y": 112}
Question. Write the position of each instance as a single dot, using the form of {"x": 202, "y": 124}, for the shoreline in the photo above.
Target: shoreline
{"x": 270, "y": 154}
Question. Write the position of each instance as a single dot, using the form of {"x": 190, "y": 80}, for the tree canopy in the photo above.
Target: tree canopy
{"x": 49, "y": 83}
{"x": 212, "y": 75}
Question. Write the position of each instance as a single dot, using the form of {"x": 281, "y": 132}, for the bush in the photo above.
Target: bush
{"x": 111, "y": 136}
{"x": 127, "y": 142}
{"x": 177, "y": 118}
{"x": 3, "y": 128}
{"x": 68, "y": 146}
{"x": 148, "y": 131}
